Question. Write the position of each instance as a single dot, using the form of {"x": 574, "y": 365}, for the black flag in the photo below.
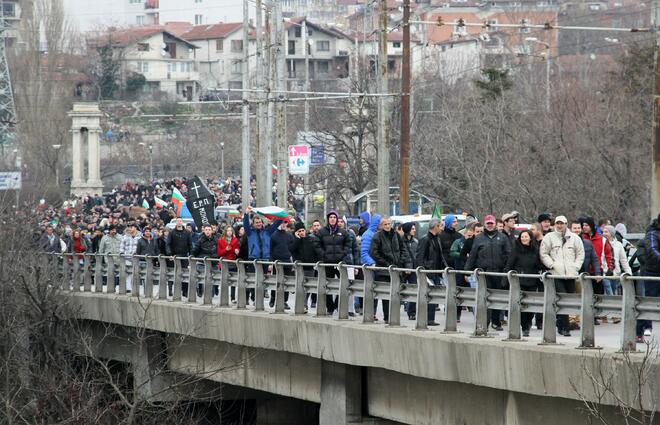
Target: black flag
{"x": 200, "y": 202}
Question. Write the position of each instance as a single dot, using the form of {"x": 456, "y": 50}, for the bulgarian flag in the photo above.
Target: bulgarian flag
{"x": 272, "y": 213}
{"x": 233, "y": 213}
{"x": 160, "y": 203}
{"x": 145, "y": 204}
{"x": 178, "y": 201}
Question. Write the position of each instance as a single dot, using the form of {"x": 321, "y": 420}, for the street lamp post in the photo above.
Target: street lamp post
{"x": 151, "y": 160}
{"x": 57, "y": 164}
{"x": 222, "y": 159}
{"x": 548, "y": 60}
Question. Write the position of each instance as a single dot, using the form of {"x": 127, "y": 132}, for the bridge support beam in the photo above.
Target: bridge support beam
{"x": 150, "y": 379}
{"x": 341, "y": 394}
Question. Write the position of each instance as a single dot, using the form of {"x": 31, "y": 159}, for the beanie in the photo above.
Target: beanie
{"x": 299, "y": 225}
{"x": 407, "y": 227}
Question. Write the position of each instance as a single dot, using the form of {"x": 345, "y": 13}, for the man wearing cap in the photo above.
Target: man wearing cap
{"x": 490, "y": 252}
{"x": 562, "y": 252}
{"x": 509, "y": 221}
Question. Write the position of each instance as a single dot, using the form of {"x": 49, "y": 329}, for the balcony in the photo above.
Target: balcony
{"x": 151, "y": 5}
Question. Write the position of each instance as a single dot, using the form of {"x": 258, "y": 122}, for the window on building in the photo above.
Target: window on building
{"x": 219, "y": 45}
{"x": 237, "y": 46}
{"x": 9, "y": 10}
{"x": 198, "y": 1}
{"x": 221, "y": 66}
{"x": 185, "y": 66}
{"x": 171, "y": 67}
{"x": 143, "y": 67}
{"x": 291, "y": 47}
{"x": 323, "y": 46}
{"x": 396, "y": 44}
{"x": 323, "y": 67}
{"x": 139, "y": 20}
{"x": 391, "y": 66}
{"x": 235, "y": 85}
{"x": 199, "y": 19}
{"x": 594, "y": 6}
{"x": 298, "y": 32}
{"x": 525, "y": 29}
{"x": 143, "y": 47}
{"x": 492, "y": 22}
{"x": 237, "y": 67}
{"x": 171, "y": 48}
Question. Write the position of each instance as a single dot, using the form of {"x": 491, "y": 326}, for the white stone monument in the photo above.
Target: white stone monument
{"x": 86, "y": 130}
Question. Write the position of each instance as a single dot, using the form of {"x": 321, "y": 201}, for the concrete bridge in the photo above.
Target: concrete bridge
{"x": 351, "y": 370}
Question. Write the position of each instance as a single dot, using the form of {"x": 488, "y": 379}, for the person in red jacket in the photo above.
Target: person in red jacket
{"x": 603, "y": 251}
{"x": 228, "y": 249}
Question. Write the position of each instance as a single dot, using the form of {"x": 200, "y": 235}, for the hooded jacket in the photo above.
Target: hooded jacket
{"x": 602, "y": 248}
{"x": 332, "y": 242}
{"x": 651, "y": 248}
{"x": 562, "y": 254}
{"x": 366, "y": 217}
{"x": 365, "y": 244}
{"x": 447, "y": 238}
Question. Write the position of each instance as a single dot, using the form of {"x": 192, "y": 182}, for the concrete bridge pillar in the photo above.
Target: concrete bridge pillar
{"x": 341, "y": 394}
{"x": 151, "y": 381}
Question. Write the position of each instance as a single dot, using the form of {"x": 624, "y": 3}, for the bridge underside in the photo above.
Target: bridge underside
{"x": 357, "y": 373}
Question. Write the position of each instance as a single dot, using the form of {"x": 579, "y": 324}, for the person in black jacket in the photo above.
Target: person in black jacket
{"x": 387, "y": 249}
{"x": 525, "y": 259}
{"x": 332, "y": 245}
{"x": 652, "y": 269}
{"x": 280, "y": 241}
{"x": 490, "y": 252}
{"x": 147, "y": 245}
{"x": 430, "y": 257}
{"x": 448, "y": 236}
{"x": 302, "y": 249}
{"x": 206, "y": 247}
{"x": 179, "y": 242}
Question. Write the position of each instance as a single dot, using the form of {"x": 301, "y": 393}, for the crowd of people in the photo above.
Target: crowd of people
{"x": 115, "y": 224}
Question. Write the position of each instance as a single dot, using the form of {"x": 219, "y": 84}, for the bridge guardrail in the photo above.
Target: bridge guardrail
{"x": 93, "y": 271}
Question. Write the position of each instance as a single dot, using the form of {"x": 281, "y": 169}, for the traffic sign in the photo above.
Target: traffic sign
{"x": 10, "y": 180}
{"x": 318, "y": 155}
{"x": 298, "y": 159}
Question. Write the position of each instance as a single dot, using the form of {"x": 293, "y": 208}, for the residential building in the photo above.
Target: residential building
{"x": 325, "y": 11}
{"x": 13, "y": 11}
{"x": 167, "y": 62}
{"x": 448, "y": 61}
{"x": 220, "y": 54}
{"x": 329, "y": 51}
{"x": 123, "y": 13}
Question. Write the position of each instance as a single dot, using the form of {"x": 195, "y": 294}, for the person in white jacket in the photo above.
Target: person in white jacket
{"x": 619, "y": 258}
{"x": 562, "y": 253}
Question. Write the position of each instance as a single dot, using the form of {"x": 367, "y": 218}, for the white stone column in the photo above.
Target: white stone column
{"x": 93, "y": 157}
{"x": 76, "y": 147}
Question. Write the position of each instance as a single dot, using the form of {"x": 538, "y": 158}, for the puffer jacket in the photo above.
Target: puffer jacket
{"x": 490, "y": 252}
{"x": 387, "y": 250}
{"x": 332, "y": 246}
{"x": 365, "y": 244}
{"x": 353, "y": 256}
{"x": 410, "y": 245}
{"x": 562, "y": 254}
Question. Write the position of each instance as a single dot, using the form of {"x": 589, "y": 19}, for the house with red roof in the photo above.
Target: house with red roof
{"x": 220, "y": 54}
{"x": 167, "y": 61}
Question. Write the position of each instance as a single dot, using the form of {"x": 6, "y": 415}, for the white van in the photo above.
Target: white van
{"x": 422, "y": 221}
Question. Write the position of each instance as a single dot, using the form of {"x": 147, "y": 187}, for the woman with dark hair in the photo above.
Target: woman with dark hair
{"x": 603, "y": 251}
{"x": 524, "y": 259}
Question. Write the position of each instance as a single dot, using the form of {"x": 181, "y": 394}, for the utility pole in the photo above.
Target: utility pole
{"x": 306, "y": 120}
{"x": 245, "y": 146}
{"x": 655, "y": 182}
{"x": 383, "y": 116}
{"x": 7, "y": 106}
{"x": 280, "y": 118}
{"x": 404, "y": 184}
{"x": 263, "y": 167}
{"x": 548, "y": 63}
{"x": 271, "y": 70}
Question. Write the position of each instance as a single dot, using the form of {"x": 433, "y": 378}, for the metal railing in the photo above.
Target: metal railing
{"x": 93, "y": 271}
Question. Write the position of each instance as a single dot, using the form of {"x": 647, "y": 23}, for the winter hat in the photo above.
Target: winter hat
{"x": 611, "y": 229}
{"x": 299, "y": 225}
{"x": 407, "y": 227}
{"x": 449, "y": 219}
{"x": 543, "y": 217}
